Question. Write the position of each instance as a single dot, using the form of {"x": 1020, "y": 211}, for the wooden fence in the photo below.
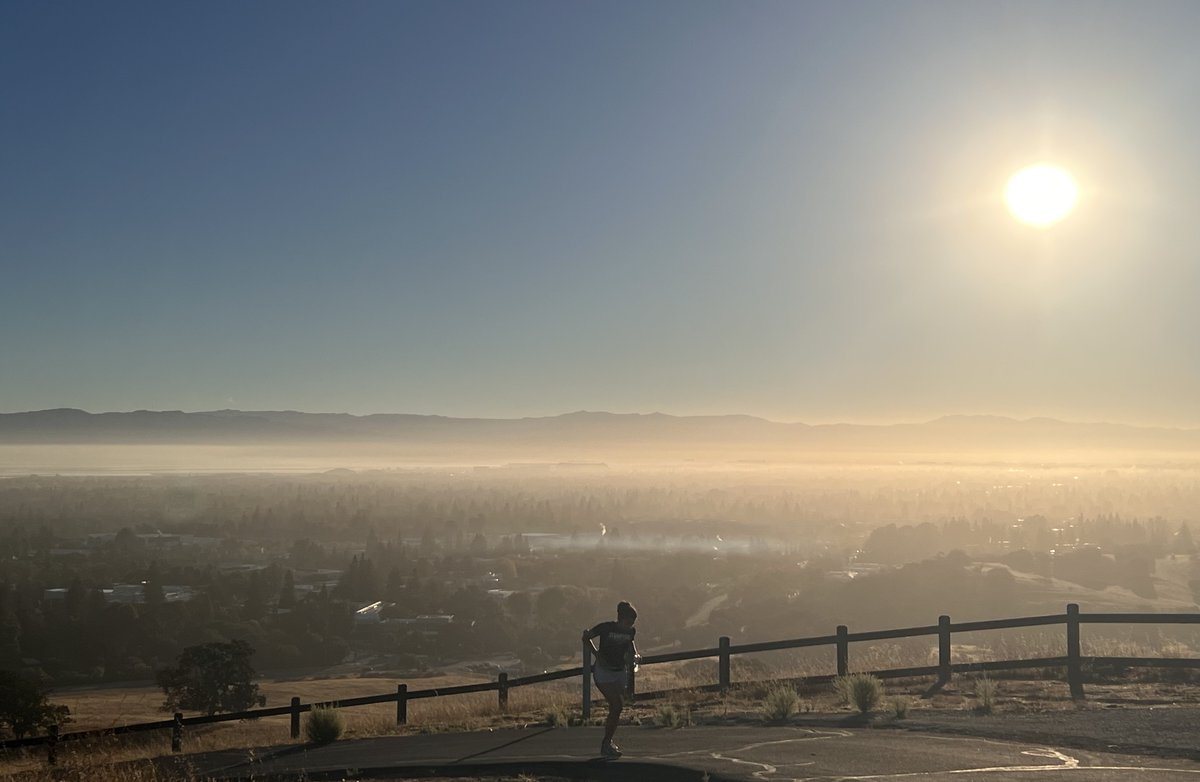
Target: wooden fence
{"x": 1073, "y": 661}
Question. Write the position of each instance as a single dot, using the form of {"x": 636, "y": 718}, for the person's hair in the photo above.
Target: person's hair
{"x": 626, "y": 611}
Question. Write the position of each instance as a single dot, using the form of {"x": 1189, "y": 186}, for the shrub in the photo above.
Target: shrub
{"x": 324, "y": 725}
{"x": 557, "y": 718}
{"x": 670, "y": 715}
{"x": 25, "y": 706}
{"x": 985, "y": 693}
{"x": 861, "y": 690}
{"x": 900, "y": 707}
{"x": 781, "y": 702}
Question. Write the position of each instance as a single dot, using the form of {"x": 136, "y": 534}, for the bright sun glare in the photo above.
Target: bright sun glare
{"x": 1041, "y": 195}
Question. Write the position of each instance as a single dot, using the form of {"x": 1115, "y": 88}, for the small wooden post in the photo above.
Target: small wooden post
{"x": 723, "y": 663}
{"x": 631, "y": 684}
{"x": 502, "y": 687}
{"x": 943, "y": 649}
{"x": 401, "y": 704}
{"x": 843, "y": 650}
{"x": 296, "y": 717}
{"x": 1074, "y": 661}
{"x": 52, "y": 746}
{"x": 177, "y": 733}
{"x": 587, "y": 679}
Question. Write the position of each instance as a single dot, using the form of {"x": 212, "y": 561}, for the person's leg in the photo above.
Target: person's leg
{"x": 614, "y": 693}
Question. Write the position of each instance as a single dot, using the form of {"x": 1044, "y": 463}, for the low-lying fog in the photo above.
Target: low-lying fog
{"x": 287, "y": 547}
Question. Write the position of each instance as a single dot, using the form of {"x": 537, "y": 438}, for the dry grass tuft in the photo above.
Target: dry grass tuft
{"x": 860, "y": 690}
{"x": 781, "y": 702}
{"x": 673, "y": 715}
{"x": 985, "y": 695}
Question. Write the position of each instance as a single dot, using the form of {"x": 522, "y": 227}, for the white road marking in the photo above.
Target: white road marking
{"x": 768, "y": 771}
{"x": 764, "y": 768}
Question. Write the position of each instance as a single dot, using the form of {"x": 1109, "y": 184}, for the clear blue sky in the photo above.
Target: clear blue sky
{"x": 785, "y": 209}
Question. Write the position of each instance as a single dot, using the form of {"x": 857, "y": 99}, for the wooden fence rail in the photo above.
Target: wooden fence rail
{"x": 1073, "y": 661}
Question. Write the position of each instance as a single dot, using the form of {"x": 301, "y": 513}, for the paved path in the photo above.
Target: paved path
{"x": 753, "y": 754}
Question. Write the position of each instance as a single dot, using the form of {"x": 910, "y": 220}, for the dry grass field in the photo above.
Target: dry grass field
{"x": 117, "y": 758}
{"x": 99, "y": 708}
{"x": 131, "y": 757}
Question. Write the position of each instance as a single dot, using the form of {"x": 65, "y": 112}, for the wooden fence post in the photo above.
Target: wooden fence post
{"x": 843, "y": 650}
{"x": 502, "y": 688}
{"x": 1074, "y": 663}
{"x": 723, "y": 664}
{"x": 296, "y": 717}
{"x": 52, "y": 746}
{"x": 177, "y": 733}
{"x": 943, "y": 649}
{"x": 631, "y": 681}
{"x": 401, "y": 704}
{"x": 587, "y": 679}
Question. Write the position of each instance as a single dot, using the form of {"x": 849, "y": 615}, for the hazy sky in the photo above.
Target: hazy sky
{"x": 502, "y": 209}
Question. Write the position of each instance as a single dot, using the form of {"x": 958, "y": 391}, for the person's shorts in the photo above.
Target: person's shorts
{"x": 603, "y": 675}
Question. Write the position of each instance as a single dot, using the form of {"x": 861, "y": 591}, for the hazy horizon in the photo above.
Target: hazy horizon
{"x": 270, "y": 441}
{"x": 850, "y": 421}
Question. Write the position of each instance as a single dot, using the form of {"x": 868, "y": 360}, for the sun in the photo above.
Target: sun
{"x": 1041, "y": 195}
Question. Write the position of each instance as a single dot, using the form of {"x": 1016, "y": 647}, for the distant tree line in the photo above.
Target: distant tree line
{"x": 1095, "y": 553}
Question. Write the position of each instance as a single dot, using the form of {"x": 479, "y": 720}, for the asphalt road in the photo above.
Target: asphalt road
{"x": 765, "y": 754}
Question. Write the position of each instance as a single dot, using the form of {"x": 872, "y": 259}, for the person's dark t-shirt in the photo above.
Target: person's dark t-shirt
{"x": 615, "y": 641}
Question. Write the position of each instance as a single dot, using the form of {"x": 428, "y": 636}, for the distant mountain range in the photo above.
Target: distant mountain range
{"x": 645, "y": 431}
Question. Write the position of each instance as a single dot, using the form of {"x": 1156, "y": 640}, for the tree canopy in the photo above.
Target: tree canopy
{"x": 25, "y": 705}
{"x": 210, "y": 678}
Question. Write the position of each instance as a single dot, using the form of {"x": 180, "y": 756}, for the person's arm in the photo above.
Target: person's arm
{"x": 590, "y": 634}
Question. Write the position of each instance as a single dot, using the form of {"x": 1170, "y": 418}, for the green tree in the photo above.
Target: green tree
{"x": 307, "y": 554}
{"x": 75, "y": 598}
{"x": 25, "y": 705}
{"x": 211, "y": 677}
{"x": 287, "y": 593}
{"x": 10, "y": 627}
{"x": 126, "y": 541}
{"x": 520, "y": 607}
{"x": 152, "y": 587}
{"x": 255, "y": 604}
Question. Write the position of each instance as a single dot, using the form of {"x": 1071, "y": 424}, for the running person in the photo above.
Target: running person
{"x": 615, "y": 653}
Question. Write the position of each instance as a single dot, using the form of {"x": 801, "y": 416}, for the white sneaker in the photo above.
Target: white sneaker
{"x": 610, "y": 750}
